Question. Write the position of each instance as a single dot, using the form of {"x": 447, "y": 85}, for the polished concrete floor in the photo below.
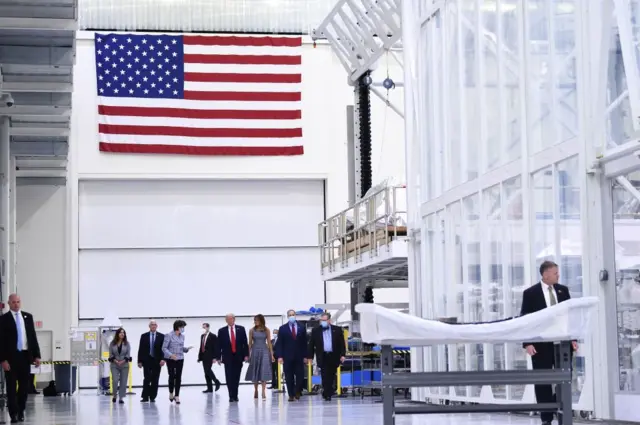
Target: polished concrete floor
{"x": 86, "y": 408}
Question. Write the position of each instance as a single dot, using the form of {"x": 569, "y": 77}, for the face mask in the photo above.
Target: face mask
{"x": 292, "y": 319}
{"x": 181, "y": 330}
{"x": 324, "y": 324}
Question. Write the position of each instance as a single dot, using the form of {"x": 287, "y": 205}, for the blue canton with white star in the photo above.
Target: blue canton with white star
{"x": 144, "y": 66}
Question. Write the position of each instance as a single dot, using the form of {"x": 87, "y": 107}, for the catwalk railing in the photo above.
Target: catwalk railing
{"x": 370, "y": 225}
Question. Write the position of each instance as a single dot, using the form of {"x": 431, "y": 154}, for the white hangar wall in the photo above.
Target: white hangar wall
{"x": 196, "y": 237}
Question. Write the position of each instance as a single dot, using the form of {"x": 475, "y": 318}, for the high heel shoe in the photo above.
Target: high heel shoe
{"x": 177, "y": 400}
{"x": 171, "y": 397}
{"x": 113, "y": 400}
{"x": 264, "y": 395}
{"x": 255, "y": 394}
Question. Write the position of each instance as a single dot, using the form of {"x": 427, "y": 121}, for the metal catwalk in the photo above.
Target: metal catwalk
{"x": 197, "y": 408}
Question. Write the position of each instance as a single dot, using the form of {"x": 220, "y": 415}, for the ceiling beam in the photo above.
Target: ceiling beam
{"x": 41, "y": 181}
{"x": 21, "y": 68}
{"x": 37, "y": 87}
{"x": 35, "y": 55}
{"x": 34, "y": 172}
{"x": 50, "y": 11}
{"x": 42, "y": 24}
{"x": 35, "y": 110}
{"x": 40, "y": 163}
{"x": 39, "y": 149}
{"x": 37, "y": 131}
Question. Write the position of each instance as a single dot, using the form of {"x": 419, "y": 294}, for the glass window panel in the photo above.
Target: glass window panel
{"x": 491, "y": 95}
{"x": 619, "y": 116}
{"x": 626, "y": 217}
{"x": 543, "y": 218}
{"x": 512, "y": 46}
{"x": 455, "y": 93}
{"x": 541, "y": 132}
{"x": 513, "y": 271}
{"x": 493, "y": 236}
{"x": 564, "y": 67}
{"x": 570, "y": 250}
{"x": 474, "y": 353}
{"x": 472, "y": 98}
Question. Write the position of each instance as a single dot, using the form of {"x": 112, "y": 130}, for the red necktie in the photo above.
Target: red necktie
{"x": 293, "y": 331}
{"x": 204, "y": 337}
{"x": 233, "y": 340}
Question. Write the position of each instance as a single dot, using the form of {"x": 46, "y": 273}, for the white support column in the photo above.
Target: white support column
{"x": 12, "y": 265}
{"x": 598, "y": 250}
{"x": 5, "y": 160}
{"x": 72, "y": 244}
{"x": 413, "y": 146}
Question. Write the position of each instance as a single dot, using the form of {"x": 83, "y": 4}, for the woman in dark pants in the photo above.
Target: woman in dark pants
{"x": 174, "y": 349}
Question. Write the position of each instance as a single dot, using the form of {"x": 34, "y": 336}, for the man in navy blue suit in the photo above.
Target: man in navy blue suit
{"x": 291, "y": 351}
{"x": 233, "y": 350}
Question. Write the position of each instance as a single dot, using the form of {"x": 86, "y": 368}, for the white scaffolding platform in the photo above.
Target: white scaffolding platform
{"x": 368, "y": 240}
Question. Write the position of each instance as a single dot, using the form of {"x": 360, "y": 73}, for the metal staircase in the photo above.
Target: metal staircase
{"x": 360, "y": 32}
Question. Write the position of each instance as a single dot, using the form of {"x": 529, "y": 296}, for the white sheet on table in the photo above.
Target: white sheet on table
{"x": 565, "y": 321}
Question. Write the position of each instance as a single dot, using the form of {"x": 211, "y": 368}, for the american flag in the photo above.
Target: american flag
{"x": 199, "y": 94}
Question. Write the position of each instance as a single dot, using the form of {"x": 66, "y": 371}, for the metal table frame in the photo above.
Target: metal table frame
{"x": 560, "y": 376}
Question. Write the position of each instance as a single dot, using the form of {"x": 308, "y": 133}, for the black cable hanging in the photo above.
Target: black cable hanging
{"x": 363, "y": 97}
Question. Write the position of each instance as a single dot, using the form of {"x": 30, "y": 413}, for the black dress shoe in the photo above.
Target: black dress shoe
{"x": 121, "y": 401}
{"x": 144, "y": 400}
{"x": 21, "y": 417}
{"x": 292, "y": 399}
{"x": 152, "y": 400}
{"x": 14, "y": 420}
{"x": 113, "y": 400}
{"x": 208, "y": 391}
{"x": 217, "y": 385}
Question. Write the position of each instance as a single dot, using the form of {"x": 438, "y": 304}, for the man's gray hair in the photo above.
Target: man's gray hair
{"x": 327, "y": 314}
{"x": 291, "y": 311}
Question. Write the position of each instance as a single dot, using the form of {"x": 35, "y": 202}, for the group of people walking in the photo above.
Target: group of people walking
{"x": 232, "y": 347}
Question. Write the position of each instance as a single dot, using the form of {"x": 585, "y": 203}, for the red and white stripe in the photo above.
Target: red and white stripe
{"x": 242, "y": 97}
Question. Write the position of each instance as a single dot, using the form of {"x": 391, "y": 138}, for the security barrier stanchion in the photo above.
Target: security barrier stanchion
{"x": 130, "y": 379}
{"x": 280, "y": 390}
{"x": 339, "y": 383}
{"x": 111, "y": 390}
{"x": 309, "y": 377}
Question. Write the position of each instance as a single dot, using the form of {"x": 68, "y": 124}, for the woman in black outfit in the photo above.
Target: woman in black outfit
{"x": 174, "y": 349}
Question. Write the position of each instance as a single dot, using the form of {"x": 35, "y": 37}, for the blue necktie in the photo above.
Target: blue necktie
{"x": 153, "y": 342}
{"x": 19, "y": 329}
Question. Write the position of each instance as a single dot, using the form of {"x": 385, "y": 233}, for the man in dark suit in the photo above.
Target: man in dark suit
{"x": 546, "y": 293}
{"x": 291, "y": 352}
{"x": 328, "y": 345}
{"x": 150, "y": 358}
{"x": 18, "y": 350}
{"x": 233, "y": 350}
{"x": 208, "y": 350}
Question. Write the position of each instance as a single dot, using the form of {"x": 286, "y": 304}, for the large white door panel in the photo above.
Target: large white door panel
{"x": 197, "y": 282}
{"x": 192, "y": 372}
{"x": 199, "y": 214}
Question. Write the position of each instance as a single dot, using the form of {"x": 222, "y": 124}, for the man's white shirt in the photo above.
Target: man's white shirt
{"x": 23, "y": 329}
